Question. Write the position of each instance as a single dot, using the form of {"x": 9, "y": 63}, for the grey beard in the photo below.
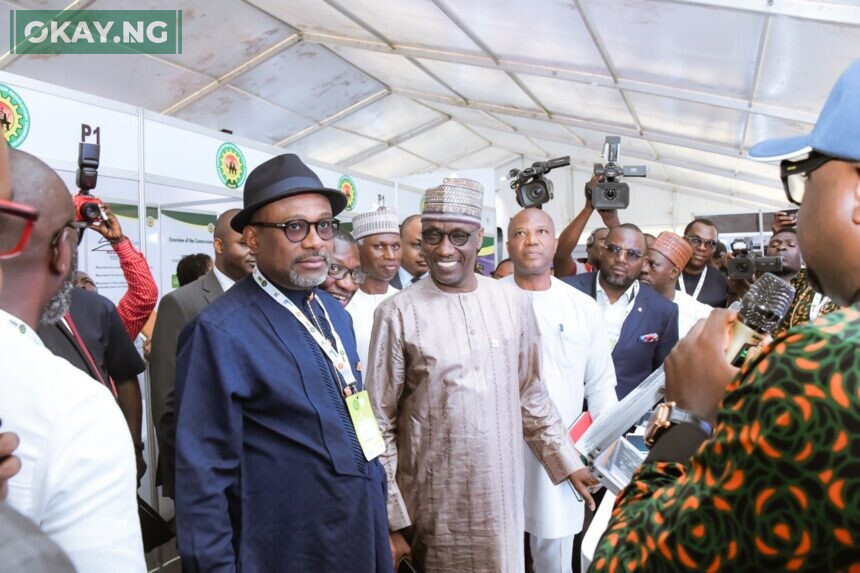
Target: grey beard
{"x": 62, "y": 300}
{"x": 307, "y": 282}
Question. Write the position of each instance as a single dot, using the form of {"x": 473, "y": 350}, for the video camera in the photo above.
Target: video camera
{"x": 613, "y": 193}
{"x": 746, "y": 264}
{"x": 532, "y": 189}
{"x": 87, "y": 208}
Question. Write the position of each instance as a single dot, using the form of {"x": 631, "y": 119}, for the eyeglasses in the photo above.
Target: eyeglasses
{"x": 632, "y": 254}
{"x": 338, "y": 272}
{"x": 77, "y": 225}
{"x": 297, "y": 230}
{"x": 457, "y": 238}
{"x": 29, "y": 215}
{"x": 698, "y": 241}
{"x": 795, "y": 173}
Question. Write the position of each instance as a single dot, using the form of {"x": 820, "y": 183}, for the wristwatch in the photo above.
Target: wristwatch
{"x": 669, "y": 414}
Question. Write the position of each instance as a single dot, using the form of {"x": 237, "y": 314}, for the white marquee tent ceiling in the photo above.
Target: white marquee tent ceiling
{"x": 399, "y": 88}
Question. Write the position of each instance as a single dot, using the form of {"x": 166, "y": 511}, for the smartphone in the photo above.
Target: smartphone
{"x": 406, "y": 566}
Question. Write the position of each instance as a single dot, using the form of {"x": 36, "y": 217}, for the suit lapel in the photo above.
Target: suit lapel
{"x": 632, "y": 323}
{"x": 211, "y": 287}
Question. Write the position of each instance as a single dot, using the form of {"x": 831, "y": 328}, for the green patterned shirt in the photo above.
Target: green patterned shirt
{"x": 777, "y": 487}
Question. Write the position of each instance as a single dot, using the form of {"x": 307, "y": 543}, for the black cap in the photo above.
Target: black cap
{"x": 279, "y": 177}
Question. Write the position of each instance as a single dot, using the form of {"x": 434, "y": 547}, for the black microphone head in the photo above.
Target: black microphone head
{"x": 766, "y": 303}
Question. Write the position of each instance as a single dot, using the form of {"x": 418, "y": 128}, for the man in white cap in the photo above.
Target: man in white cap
{"x": 378, "y": 236}
{"x": 455, "y": 380}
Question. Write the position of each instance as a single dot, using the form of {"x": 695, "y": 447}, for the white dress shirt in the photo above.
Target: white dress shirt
{"x": 406, "y": 277}
{"x": 225, "y": 281}
{"x": 361, "y": 308}
{"x": 614, "y": 314}
{"x": 78, "y": 473}
{"x": 577, "y": 364}
{"x": 690, "y": 311}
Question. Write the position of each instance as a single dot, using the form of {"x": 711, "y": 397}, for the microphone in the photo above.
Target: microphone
{"x": 761, "y": 310}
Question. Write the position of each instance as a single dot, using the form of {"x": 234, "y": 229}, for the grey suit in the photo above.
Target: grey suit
{"x": 176, "y": 309}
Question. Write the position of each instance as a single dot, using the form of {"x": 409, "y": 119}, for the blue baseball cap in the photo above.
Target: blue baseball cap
{"x": 837, "y": 132}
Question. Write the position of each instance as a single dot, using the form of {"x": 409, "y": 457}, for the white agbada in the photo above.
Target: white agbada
{"x": 690, "y": 311}
{"x": 361, "y": 308}
{"x": 577, "y": 364}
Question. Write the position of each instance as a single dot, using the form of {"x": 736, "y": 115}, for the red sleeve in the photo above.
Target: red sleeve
{"x": 139, "y": 300}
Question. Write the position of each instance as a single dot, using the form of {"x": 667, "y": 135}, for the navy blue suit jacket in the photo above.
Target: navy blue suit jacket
{"x": 269, "y": 473}
{"x": 635, "y": 358}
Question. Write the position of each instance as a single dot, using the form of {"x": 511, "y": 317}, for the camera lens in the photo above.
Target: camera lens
{"x": 610, "y": 194}
{"x": 90, "y": 212}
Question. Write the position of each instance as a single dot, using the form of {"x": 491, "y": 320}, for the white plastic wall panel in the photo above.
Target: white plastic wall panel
{"x": 803, "y": 59}
{"x": 316, "y": 17}
{"x": 443, "y": 142}
{"x": 389, "y": 117}
{"x": 552, "y": 33}
{"x": 392, "y": 70}
{"x": 510, "y": 141}
{"x": 579, "y": 100}
{"x": 310, "y": 80}
{"x": 217, "y": 35}
{"x": 682, "y": 45}
{"x": 392, "y": 162}
{"x": 481, "y": 84}
{"x": 763, "y": 127}
{"x": 693, "y": 120}
{"x": 331, "y": 145}
{"x": 245, "y": 116}
{"x": 488, "y": 157}
{"x": 467, "y": 115}
{"x": 413, "y": 22}
{"x": 136, "y": 80}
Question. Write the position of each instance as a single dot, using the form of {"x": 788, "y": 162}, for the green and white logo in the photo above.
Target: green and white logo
{"x": 14, "y": 116}
{"x": 95, "y": 31}
{"x": 347, "y": 187}
{"x": 231, "y": 165}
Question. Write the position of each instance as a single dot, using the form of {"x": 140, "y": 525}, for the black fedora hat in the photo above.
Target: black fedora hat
{"x": 279, "y": 177}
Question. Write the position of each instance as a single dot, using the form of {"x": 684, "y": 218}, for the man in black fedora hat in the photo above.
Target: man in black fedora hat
{"x": 276, "y": 443}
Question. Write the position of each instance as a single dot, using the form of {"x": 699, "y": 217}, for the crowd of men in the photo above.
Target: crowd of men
{"x": 328, "y": 399}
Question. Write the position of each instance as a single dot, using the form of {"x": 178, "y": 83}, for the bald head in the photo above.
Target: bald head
{"x": 35, "y": 184}
{"x": 232, "y": 255}
{"x": 534, "y": 215}
{"x": 41, "y": 276}
{"x": 531, "y": 245}
{"x": 222, "y": 225}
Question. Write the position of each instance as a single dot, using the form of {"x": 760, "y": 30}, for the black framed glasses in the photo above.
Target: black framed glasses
{"x": 338, "y": 272}
{"x": 297, "y": 230}
{"x": 457, "y": 238}
{"x": 795, "y": 173}
{"x": 78, "y": 226}
{"x": 632, "y": 254}
{"x": 26, "y": 214}
{"x": 696, "y": 242}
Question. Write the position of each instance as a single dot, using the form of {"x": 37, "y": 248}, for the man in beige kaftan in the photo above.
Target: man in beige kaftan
{"x": 455, "y": 378}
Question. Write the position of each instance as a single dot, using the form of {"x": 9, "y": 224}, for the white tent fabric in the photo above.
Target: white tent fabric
{"x": 401, "y": 88}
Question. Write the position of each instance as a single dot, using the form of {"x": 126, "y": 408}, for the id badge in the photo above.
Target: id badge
{"x": 366, "y": 427}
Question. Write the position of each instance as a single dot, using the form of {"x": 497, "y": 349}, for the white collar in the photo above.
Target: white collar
{"x": 628, "y": 295}
{"x": 225, "y": 281}
{"x": 19, "y": 327}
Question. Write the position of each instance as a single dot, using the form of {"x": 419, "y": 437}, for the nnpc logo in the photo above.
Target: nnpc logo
{"x": 95, "y": 31}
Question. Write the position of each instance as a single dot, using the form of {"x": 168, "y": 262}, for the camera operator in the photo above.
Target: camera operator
{"x": 139, "y": 301}
{"x": 774, "y": 487}
{"x": 563, "y": 263}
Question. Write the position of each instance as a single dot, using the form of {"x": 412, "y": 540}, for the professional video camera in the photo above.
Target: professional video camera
{"x": 87, "y": 208}
{"x": 532, "y": 189}
{"x": 745, "y": 264}
{"x": 613, "y": 193}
